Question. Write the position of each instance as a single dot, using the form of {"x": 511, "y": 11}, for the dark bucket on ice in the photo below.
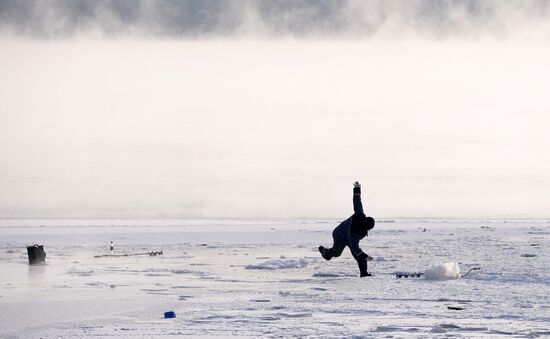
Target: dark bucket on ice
{"x": 36, "y": 254}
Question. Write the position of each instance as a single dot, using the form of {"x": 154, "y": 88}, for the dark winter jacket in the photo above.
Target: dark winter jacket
{"x": 354, "y": 228}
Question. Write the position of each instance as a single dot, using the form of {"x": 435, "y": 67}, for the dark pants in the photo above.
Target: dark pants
{"x": 336, "y": 251}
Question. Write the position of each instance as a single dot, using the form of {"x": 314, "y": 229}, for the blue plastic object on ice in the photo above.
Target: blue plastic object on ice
{"x": 170, "y": 314}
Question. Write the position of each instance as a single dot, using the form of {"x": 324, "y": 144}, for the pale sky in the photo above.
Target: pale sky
{"x": 111, "y": 118}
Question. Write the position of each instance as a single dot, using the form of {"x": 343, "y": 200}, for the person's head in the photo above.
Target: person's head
{"x": 370, "y": 223}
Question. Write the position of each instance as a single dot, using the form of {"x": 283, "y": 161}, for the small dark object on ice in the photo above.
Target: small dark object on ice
{"x": 169, "y": 314}
{"x": 419, "y": 274}
{"x": 408, "y": 274}
{"x": 36, "y": 254}
{"x": 455, "y": 308}
{"x": 152, "y": 253}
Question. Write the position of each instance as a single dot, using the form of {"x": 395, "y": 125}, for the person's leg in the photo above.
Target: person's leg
{"x": 362, "y": 263}
{"x": 335, "y": 251}
{"x": 337, "y": 248}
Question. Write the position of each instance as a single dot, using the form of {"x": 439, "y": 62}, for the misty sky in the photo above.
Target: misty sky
{"x": 274, "y": 108}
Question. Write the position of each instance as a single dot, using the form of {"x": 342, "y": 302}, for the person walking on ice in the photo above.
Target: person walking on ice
{"x": 350, "y": 232}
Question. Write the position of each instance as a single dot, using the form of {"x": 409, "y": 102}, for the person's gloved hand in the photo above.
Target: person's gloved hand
{"x": 356, "y": 188}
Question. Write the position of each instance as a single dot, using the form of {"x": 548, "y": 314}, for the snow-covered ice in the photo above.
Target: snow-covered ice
{"x": 278, "y": 264}
{"x": 206, "y": 277}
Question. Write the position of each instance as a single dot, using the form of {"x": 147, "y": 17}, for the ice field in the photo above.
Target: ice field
{"x": 265, "y": 278}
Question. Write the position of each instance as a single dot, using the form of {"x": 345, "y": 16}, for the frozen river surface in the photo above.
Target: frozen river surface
{"x": 262, "y": 278}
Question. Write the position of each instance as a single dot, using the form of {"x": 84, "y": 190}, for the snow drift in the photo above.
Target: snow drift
{"x": 449, "y": 270}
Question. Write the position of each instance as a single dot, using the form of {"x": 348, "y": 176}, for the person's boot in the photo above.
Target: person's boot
{"x": 363, "y": 268}
{"x": 324, "y": 253}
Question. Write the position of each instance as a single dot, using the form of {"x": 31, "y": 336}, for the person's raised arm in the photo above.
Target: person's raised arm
{"x": 357, "y": 205}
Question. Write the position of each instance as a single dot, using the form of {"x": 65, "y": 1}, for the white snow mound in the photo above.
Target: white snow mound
{"x": 278, "y": 264}
{"x": 449, "y": 270}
